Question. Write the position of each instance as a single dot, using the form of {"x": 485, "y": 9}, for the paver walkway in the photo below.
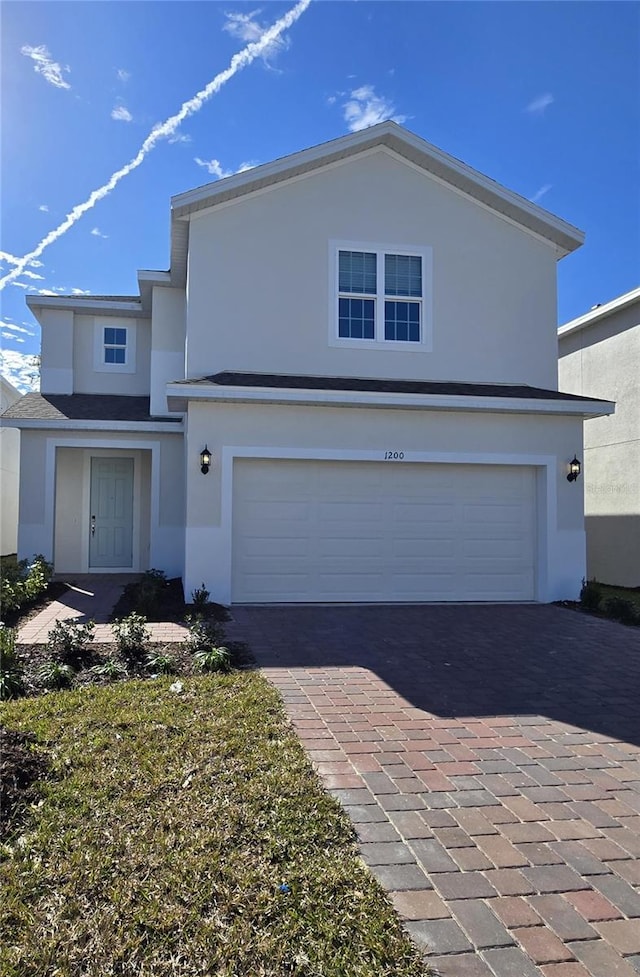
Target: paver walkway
{"x": 489, "y": 758}
{"x": 91, "y": 597}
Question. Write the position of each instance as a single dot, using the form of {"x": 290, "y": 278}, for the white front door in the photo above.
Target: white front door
{"x": 361, "y": 531}
{"x": 111, "y": 531}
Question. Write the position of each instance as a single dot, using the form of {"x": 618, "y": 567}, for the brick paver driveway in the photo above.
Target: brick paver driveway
{"x": 489, "y": 757}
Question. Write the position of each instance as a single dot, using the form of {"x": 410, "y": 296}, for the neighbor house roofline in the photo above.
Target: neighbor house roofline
{"x": 599, "y": 312}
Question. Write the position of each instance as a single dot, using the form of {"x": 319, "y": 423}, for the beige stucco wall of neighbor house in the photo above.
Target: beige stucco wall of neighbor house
{"x": 602, "y": 359}
{"x": 87, "y": 343}
{"x": 9, "y": 473}
{"x": 275, "y": 430}
{"x": 259, "y": 274}
{"x": 55, "y": 516}
{"x": 168, "y": 330}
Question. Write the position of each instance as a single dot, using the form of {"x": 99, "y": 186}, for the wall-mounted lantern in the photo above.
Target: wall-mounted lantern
{"x": 205, "y": 460}
{"x": 574, "y": 469}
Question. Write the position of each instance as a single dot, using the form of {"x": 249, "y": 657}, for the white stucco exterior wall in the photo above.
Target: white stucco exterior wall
{"x": 87, "y": 340}
{"x": 56, "y": 371}
{"x": 346, "y": 433}
{"x": 602, "y": 359}
{"x": 258, "y": 279}
{"x": 9, "y": 473}
{"x": 168, "y": 344}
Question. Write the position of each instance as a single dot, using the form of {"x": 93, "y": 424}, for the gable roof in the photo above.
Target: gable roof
{"x": 82, "y": 407}
{"x": 564, "y": 236}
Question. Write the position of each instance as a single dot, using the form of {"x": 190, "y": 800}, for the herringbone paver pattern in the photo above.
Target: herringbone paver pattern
{"x": 489, "y": 758}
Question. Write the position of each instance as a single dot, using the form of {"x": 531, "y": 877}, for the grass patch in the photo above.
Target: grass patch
{"x": 163, "y": 837}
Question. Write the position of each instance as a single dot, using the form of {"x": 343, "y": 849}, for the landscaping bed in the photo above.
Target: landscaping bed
{"x": 182, "y": 831}
{"x": 615, "y": 603}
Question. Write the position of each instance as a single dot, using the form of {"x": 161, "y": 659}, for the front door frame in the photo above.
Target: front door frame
{"x": 97, "y": 447}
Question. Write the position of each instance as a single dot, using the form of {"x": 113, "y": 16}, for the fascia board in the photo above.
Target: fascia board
{"x": 595, "y": 315}
{"x": 340, "y": 398}
{"x": 87, "y": 306}
{"x": 152, "y": 427}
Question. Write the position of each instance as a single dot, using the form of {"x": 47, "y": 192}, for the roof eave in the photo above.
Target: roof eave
{"x": 601, "y": 312}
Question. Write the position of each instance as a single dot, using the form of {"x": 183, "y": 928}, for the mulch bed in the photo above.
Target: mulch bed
{"x": 171, "y": 609}
{"x": 20, "y": 770}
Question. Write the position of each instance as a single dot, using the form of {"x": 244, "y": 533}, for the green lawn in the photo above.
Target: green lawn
{"x": 164, "y": 835}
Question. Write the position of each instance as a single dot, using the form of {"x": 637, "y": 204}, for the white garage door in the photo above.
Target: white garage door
{"x": 308, "y": 531}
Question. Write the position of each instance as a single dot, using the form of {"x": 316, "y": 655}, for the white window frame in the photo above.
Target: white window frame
{"x": 99, "y": 346}
{"x": 379, "y": 342}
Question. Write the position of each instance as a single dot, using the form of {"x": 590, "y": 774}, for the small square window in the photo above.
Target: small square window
{"x": 115, "y": 345}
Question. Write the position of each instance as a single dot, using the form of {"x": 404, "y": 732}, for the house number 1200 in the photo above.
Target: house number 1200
{"x": 393, "y": 455}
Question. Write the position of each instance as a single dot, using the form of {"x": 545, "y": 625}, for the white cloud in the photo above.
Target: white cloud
{"x": 179, "y": 137}
{"x": 123, "y": 74}
{"x": 10, "y": 336}
{"x": 247, "y": 166}
{"x": 246, "y": 28}
{"x": 539, "y": 194}
{"x": 121, "y": 114}
{"x": 44, "y": 65}
{"x": 96, "y": 232}
{"x": 538, "y": 105}
{"x": 43, "y": 291}
{"x": 20, "y": 284}
{"x": 242, "y": 59}
{"x": 213, "y": 166}
{"x": 80, "y": 291}
{"x": 364, "y": 108}
{"x": 44, "y": 208}
{"x": 12, "y": 260}
{"x": 33, "y": 275}
{"x": 20, "y": 369}
{"x": 13, "y": 327}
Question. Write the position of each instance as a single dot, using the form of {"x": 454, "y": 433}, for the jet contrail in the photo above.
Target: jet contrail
{"x": 239, "y": 61}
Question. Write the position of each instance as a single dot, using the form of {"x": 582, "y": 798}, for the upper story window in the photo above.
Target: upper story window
{"x": 115, "y": 345}
{"x": 383, "y": 297}
{"x": 114, "y": 349}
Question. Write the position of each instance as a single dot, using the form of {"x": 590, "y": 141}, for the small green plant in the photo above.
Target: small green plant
{"x": 68, "y": 641}
{"x": 23, "y": 582}
{"x": 161, "y": 663}
{"x": 11, "y": 681}
{"x": 56, "y": 675}
{"x": 200, "y": 598}
{"x": 110, "y": 669}
{"x": 203, "y": 634}
{"x": 149, "y": 590}
{"x": 622, "y": 609}
{"x": 213, "y": 660}
{"x": 590, "y": 595}
{"x": 132, "y": 634}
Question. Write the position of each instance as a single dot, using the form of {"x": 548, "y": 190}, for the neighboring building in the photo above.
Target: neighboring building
{"x": 363, "y": 335}
{"x": 600, "y": 356}
{"x": 9, "y": 473}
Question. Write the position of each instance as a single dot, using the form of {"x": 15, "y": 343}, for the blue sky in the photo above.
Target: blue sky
{"x": 542, "y": 97}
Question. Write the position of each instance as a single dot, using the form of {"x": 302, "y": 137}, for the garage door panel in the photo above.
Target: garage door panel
{"x": 349, "y": 531}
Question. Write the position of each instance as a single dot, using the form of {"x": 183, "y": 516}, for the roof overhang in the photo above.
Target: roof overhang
{"x": 599, "y": 312}
{"x": 141, "y": 427}
{"x": 180, "y": 395}
{"x": 86, "y": 305}
{"x": 564, "y": 237}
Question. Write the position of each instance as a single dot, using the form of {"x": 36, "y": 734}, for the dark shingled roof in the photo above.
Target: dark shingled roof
{"x": 81, "y": 407}
{"x": 452, "y": 389}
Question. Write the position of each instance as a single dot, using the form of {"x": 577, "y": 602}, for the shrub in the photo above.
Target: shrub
{"x": 200, "y": 598}
{"x": 11, "y": 681}
{"x": 69, "y": 641}
{"x": 203, "y": 634}
{"x": 590, "y": 595}
{"x": 149, "y": 590}
{"x": 161, "y": 662}
{"x": 23, "y": 582}
{"x": 213, "y": 660}
{"x": 131, "y": 634}
{"x": 56, "y": 675}
{"x": 622, "y": 609}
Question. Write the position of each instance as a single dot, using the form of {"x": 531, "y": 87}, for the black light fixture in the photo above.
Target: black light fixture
{"x": 574, "y": 469}
{"x": 205, "y": 460}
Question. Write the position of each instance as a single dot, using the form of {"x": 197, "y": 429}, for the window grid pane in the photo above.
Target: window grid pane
{"x": 115, "y": 337}
{"x": 356, "y": 319}
{"x": 402, "y": 321}
{"x": 114, "y": 354}
{"x": 357, "y": 272}
{"x": 403, "y": 274}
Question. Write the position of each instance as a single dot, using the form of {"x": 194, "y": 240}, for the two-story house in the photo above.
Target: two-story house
{"x": 344, "y": 389}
